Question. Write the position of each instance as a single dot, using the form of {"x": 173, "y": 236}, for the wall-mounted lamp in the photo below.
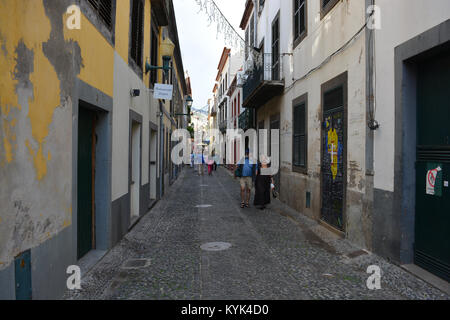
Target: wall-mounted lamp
{"x": 135, "y": 92}
{"x": 167, "y": 47}
{"x": 189, "y": 101}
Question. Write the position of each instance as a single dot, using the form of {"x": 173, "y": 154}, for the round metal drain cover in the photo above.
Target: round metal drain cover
{"x": 204, "y": 206}
{"x": 216, "y": 246}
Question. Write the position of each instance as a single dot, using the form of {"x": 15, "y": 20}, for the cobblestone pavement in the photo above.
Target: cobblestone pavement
{"x": 275, "y": 254}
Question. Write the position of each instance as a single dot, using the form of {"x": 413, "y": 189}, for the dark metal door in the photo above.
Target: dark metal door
{"x": 432, "y": 224}
{"x": 275, "y": 125}
{"x": 85, "y": 181}
{"x": 333, "y": 167}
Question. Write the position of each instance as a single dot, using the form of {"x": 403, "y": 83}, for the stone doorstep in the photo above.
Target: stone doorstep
{"x": 428, "y": 277}
{"x": 93, "y": 257}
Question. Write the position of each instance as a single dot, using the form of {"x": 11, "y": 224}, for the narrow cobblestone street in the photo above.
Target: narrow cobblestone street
{"x": 274, "y": 254}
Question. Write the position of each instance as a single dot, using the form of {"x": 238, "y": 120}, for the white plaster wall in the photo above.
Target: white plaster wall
{"x": 324, "y": 37}
{"x": 401, "y": 20}
{"x": 124, "y": 80}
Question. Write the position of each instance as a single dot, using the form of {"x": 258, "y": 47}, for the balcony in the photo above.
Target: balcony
{"x": 246, "y": 120}
{"x": 214, "y": 111}
{"x": 223, "y": 126}
{"x": 264, "y": 82}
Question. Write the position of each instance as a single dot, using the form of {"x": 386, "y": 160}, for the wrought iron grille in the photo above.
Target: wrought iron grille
{"x": 263, "y": 70}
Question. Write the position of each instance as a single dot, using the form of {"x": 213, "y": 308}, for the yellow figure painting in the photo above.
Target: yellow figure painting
{"x": 333, "y": 148}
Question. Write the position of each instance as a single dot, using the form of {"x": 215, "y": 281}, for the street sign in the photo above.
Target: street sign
{"x": 163, "y": 91}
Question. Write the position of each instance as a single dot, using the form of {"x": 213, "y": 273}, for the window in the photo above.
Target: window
{"x": 252, "y": 32}
{"x": 104, "y": 10}
{"x": 247, "y": 39}
{"x": 137, "y": 32}
{"x": 276, "y": 48}
{"x": 300, "y": 21}
{"x": 154, "y": 56}
{"x": 326, "y": 6}
{"x": 299, "y": 143}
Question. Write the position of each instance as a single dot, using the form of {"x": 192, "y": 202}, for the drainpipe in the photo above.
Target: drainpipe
{"x": 161, "y": 149}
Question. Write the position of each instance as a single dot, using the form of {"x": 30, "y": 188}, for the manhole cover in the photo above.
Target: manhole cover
{"x": 204, "y": 206}
{"x": 216, "y": 246}
{"x": 136, "y": 264}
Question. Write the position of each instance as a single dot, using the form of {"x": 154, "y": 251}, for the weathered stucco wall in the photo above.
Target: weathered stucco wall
{"x": 395, "y": 30}
{"x": 40, "y": 62}
{"x": 324, "y": 37}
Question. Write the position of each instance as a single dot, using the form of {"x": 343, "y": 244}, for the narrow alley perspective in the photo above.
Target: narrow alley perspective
{"x": 199, "y": 244}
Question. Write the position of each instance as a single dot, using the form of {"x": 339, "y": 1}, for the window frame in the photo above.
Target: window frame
{"x": 276, "y": 20}
{"x": 154, "y": 52}
{"x": 92, "y": 15}
{"x": 324, "y": 10}
{"x": 134, "y": 64}
{"x": 297, "y": 103}
{"x": 301, "y": 36}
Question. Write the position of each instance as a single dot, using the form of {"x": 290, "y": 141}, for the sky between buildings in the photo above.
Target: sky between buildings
{"x": 201, "y": 46}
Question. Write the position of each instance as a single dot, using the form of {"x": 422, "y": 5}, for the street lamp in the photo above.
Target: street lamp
{"x": 167, "y": 48}
{"x": 189, "y": 101}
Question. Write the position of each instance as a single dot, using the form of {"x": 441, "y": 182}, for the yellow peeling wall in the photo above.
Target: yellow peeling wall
{"x": 36, "y": 120}
{"x": 36, "y": 108}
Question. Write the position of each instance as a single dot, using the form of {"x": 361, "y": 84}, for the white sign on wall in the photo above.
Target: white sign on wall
{"x": 163, "y": 91}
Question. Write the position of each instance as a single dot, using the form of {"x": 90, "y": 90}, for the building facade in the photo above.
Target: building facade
{"x": 344, "y": 82}
{"x": 82, "y": 140}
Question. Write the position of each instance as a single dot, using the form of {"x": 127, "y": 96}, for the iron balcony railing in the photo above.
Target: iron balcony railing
{"x": 265, "y": 67}
{"x": 246, "y": 119}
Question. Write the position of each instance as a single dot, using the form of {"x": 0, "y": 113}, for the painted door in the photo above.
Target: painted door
{"x": 22, "y": 264}
{"x": 333, "y": 167}
{"x": 85, "y": 181}
{"x": 135, "y": 170}
{"x": 432, "y": 224}
{"x": 275, "y": 125}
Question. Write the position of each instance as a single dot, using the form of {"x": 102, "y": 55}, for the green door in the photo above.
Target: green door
{"x": 85, "y": 181}
{"x": 432, "y": 223}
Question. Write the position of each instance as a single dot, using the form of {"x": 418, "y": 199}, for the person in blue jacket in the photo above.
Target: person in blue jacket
{"x": 246, "y": 173}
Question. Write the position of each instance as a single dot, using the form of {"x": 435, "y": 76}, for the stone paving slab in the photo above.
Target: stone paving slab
{"x": 275, "y": 254}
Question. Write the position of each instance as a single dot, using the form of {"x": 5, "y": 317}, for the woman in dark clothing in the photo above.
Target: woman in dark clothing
{"x": 262, "y": 187}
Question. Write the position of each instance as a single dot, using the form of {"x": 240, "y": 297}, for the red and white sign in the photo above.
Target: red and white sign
{"x": 431, "y": 180}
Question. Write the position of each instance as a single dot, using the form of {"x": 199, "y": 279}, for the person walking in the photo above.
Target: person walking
{"x": 201, "y": 161}
{"x": 246, "y": 172}
{"x": 263, "y": 185}
{"x": 210, "y": 163}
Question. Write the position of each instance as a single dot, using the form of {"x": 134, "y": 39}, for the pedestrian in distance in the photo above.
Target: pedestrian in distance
{"x": 246, "y": 172}
{"x": 263, "y": 184}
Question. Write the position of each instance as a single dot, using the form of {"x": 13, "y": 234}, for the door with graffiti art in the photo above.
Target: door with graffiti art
{"x": 333, "y": 158}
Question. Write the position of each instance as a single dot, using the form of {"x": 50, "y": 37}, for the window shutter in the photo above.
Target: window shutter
{"x": 104, "y": 10}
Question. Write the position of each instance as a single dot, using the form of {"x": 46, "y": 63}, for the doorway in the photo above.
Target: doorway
{"x": 333, "y": 169}
{"x": 153, "y": 156}
{"x": 432, "y": 222}
{"x": 275, "y": 125}
{"x": 86, "y": 182}
{"x": 135, "y": 170}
